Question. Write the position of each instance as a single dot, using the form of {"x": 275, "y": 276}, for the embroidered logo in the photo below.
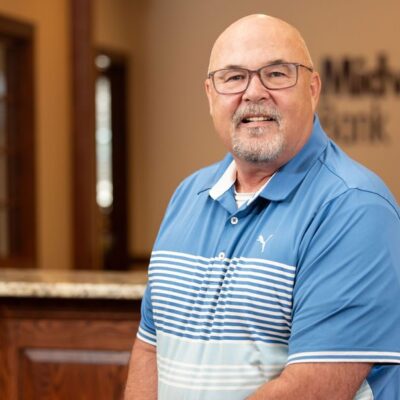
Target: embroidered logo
{"x": 263, "y": 241}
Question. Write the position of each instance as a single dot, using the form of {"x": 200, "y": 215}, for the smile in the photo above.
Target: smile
{"x": 258, "y": 119}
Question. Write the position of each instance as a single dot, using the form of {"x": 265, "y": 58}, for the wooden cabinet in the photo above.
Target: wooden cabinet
{"x": 65, "y": 349}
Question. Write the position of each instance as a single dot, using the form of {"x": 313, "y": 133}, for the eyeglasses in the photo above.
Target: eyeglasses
{"x": 272, "y": 76}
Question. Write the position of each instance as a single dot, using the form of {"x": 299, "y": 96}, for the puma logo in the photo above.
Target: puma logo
{"x": 264, "y": 241}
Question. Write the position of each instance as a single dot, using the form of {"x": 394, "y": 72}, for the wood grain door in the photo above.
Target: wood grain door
{"x": 65, "y": 351}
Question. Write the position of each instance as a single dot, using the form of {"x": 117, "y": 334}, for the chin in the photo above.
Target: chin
{"x": 257, "y": 155}
{"x": 259, "y": 149}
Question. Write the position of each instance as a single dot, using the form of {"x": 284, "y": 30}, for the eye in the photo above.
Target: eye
{"x": 234, "y": 76}
{"x": 230, "y": 76}
{"x": 276, "y": 74}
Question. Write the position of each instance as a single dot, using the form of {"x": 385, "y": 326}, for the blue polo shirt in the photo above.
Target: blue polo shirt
{"x": 308, "y": 271}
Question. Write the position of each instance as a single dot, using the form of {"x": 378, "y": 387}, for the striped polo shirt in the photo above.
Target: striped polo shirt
{"x": 306, "y": 271}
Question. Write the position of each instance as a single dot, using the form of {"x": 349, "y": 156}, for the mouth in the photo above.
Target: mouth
{"x": 257, "y": 118}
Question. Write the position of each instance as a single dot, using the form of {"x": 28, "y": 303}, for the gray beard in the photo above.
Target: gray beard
{"x": 257, "y": 145}
{"x": 265, "y": 149}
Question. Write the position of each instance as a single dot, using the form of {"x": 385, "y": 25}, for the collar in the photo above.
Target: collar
{"x": 228, "y": 179}
{"x": 225, "y": 182}
{"x": 285, "y": 180}
{"x": 290, "y": 175}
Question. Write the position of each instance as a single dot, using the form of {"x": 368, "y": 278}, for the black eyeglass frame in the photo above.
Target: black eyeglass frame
{"x": 257, "y": 72}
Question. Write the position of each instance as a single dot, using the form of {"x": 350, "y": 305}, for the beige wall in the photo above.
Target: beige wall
{"x": 176, "y": 135}
{"x": 170, "y": 132}
{"x": 52, "y": 102}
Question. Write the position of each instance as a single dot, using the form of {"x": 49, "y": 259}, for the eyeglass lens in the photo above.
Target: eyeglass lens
{"x": 277, "y": 76}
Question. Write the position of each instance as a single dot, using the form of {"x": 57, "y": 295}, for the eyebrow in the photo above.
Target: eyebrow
{"x": 273, "y": 62}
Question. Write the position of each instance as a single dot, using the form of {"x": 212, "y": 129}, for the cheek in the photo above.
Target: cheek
{"x": 296, "y": 117}
{"x": 223, "y": 111}
{"x": 297, "y": 108}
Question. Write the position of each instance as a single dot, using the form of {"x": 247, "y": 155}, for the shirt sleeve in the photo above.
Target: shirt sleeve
{"x": 347, "y": 289}
{"x": 147, "y": 331}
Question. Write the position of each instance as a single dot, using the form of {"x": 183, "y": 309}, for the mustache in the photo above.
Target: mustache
{"x": 250, "y": 110}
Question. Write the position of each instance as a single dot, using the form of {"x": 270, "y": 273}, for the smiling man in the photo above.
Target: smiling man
{"x": 276, "y": 272}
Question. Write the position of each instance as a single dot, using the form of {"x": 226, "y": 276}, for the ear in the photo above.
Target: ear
{"x": 315, "y": 89}
{"x": 208, "y": 87}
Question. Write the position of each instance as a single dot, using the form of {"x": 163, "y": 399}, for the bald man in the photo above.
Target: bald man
{"x": 276, "y": 272}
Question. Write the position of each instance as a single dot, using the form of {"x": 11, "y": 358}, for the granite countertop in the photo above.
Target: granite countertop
{"x": 72, "y": 284}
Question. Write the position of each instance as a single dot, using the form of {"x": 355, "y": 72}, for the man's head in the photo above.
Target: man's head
{"x": 261, "y": 125}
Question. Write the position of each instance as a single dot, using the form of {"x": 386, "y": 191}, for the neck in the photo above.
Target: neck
{"x": 251, "y": 177}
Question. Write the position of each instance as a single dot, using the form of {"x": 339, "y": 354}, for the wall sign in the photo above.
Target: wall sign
{"x": 355, "y": 99}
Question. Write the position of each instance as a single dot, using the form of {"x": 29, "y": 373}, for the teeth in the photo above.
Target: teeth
{"x": 257, "y": 119}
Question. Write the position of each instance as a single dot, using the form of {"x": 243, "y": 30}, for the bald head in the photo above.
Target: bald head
{"x": 254, "y": 33}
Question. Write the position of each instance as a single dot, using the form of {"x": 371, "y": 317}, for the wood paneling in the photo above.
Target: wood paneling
{"x": 85, "y": 241}
{"x": 72, "y": 374}
{"x": 65, "y": 349}
{"x": 20, "y": 198}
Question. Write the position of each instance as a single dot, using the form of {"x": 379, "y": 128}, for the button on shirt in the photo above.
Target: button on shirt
{"x": 234, "y": 220}
{"x": 308, "y": 271}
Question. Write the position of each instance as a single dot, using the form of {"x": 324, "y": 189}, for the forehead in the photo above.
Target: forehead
{"x": 252, "y": 46}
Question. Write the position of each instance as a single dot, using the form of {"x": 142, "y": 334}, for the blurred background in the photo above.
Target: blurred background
{"x": 103, "y": 113}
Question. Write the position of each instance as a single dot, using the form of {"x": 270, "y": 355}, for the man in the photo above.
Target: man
{"x": 276, "y": 272}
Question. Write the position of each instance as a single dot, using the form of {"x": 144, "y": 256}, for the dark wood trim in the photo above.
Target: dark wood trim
{"x": 118, "y": 76}
{"x": 19, "y": 39}
{"x": 139, "y": 261}
{"x": 116, "y": 257}
{"x": 23, "y": 66}
{"x": 16, "y": 28}
{"x": 85, "y": 243}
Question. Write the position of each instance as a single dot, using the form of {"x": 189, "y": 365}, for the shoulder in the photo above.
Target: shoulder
{"x": 203, "y": 179}
{"x": 352, "y": 184}
{"x": 196, "y": 183}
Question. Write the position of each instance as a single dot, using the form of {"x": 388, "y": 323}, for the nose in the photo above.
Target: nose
{"x": 256, "y": 91}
